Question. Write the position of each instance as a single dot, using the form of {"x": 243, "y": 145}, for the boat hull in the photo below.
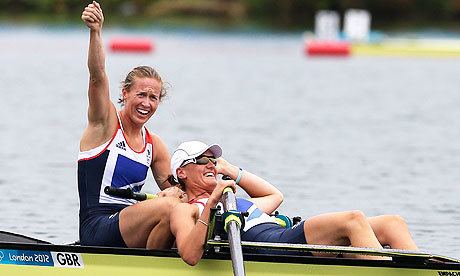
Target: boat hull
{"x": 23, "y": 259}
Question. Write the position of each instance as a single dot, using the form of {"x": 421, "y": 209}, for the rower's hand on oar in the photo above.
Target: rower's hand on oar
{"x": 173, "y": 191}
{"x": 92, "y": 16}
{"x": 219, "y": 189}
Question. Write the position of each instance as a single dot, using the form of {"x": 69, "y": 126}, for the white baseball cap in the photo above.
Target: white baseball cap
{"x": 191, "y": 149}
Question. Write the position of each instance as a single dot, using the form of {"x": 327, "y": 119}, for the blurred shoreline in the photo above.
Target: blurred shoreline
{"x": 205, "y": 25}
{"x": 237, "y": 15}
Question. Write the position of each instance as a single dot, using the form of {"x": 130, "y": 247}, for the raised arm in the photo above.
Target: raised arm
{"x": 266, "y": 196}
{"x": 98, "y": 91}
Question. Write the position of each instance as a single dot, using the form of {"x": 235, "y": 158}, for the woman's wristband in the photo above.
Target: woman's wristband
{"x": 240, "y": 174}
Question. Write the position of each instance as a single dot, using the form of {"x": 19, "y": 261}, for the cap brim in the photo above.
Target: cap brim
{"x": 215, "y": 149}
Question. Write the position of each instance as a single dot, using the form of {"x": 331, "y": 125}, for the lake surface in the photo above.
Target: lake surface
{"x": 381, "y": 135}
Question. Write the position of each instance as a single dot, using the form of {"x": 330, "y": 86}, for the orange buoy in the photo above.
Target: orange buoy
{"x": 142, "y": 45}
{"x": 327, "y": 48}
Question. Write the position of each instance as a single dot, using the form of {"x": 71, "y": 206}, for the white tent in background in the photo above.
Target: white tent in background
{"x": 327, "y": 25}
{"x": 357, "y": 25}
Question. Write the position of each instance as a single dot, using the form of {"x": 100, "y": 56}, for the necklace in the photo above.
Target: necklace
{"x": 193, "y": 200}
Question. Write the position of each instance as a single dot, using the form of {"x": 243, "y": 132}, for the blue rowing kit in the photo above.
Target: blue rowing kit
{"x": 113, "y": 164}
{"x": 261, "y": 227}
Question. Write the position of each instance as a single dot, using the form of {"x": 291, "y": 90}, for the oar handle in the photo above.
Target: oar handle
{"x": 128, "y": 193}
{"x": 227, "y": 190}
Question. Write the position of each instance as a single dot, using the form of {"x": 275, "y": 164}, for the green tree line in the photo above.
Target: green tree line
{"x": 280, "y": 13}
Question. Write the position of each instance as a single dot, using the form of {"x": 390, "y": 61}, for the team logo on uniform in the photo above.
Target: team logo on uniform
{"x": 121, "y": 145}
{"x": 149, "y": 157}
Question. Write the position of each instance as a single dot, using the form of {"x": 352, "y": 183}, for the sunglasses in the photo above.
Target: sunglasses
{"x": 203, "y": 160}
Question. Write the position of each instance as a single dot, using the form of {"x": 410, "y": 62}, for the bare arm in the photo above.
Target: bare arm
{"x": 266, "y": 196}
{"x": 160, "y": 163}
{"x": 100, "y": 105}
{"x": 189, "y": 232}
{"x": 190, "y": 235}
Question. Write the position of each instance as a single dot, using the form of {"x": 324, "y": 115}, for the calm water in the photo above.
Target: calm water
{"x": 377, "y": 134}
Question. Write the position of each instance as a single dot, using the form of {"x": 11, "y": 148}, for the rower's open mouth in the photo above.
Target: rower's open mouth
{"x": 209, "y": 174}
{"x": 143, "y": 111}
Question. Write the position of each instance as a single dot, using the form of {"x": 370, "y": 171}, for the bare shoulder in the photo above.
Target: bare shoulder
{"x": 183, "y": 218}
{"x": 157, "y": 141}
{"x": 184, "y": 209}
{"x": 160, "y": 150}
{"x": 185, "y": 212}
{"x": 97, "y": 133}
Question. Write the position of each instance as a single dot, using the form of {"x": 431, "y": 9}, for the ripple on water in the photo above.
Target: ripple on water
{"x": 31, "y": 214}
{"x": 51, "y": 236}
{"x": 366, "y": 187}
{"x": 15, "y": 200}
{"x": 446, "y": 211}
{"x": 427, "y": 231}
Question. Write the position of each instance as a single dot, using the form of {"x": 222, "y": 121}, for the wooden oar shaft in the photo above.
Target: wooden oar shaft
{"x": 234, "y": 237}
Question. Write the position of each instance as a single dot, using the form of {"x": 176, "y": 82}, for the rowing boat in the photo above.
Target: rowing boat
{"x": 21, "y": 255}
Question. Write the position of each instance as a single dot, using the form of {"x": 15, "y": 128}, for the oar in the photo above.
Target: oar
{"x": 232, "y": 226}
{"x": 128, "y": 193}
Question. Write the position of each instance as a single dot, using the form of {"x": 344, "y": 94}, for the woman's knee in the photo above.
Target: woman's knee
{"x": 356, "y": 215}
{"x": 355, "y": 219}
{"x": 154, "y": 211}
{"x": 168, "y": 202}
{"x": 164, "y": 206}
{"x": 395, "y": 221}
